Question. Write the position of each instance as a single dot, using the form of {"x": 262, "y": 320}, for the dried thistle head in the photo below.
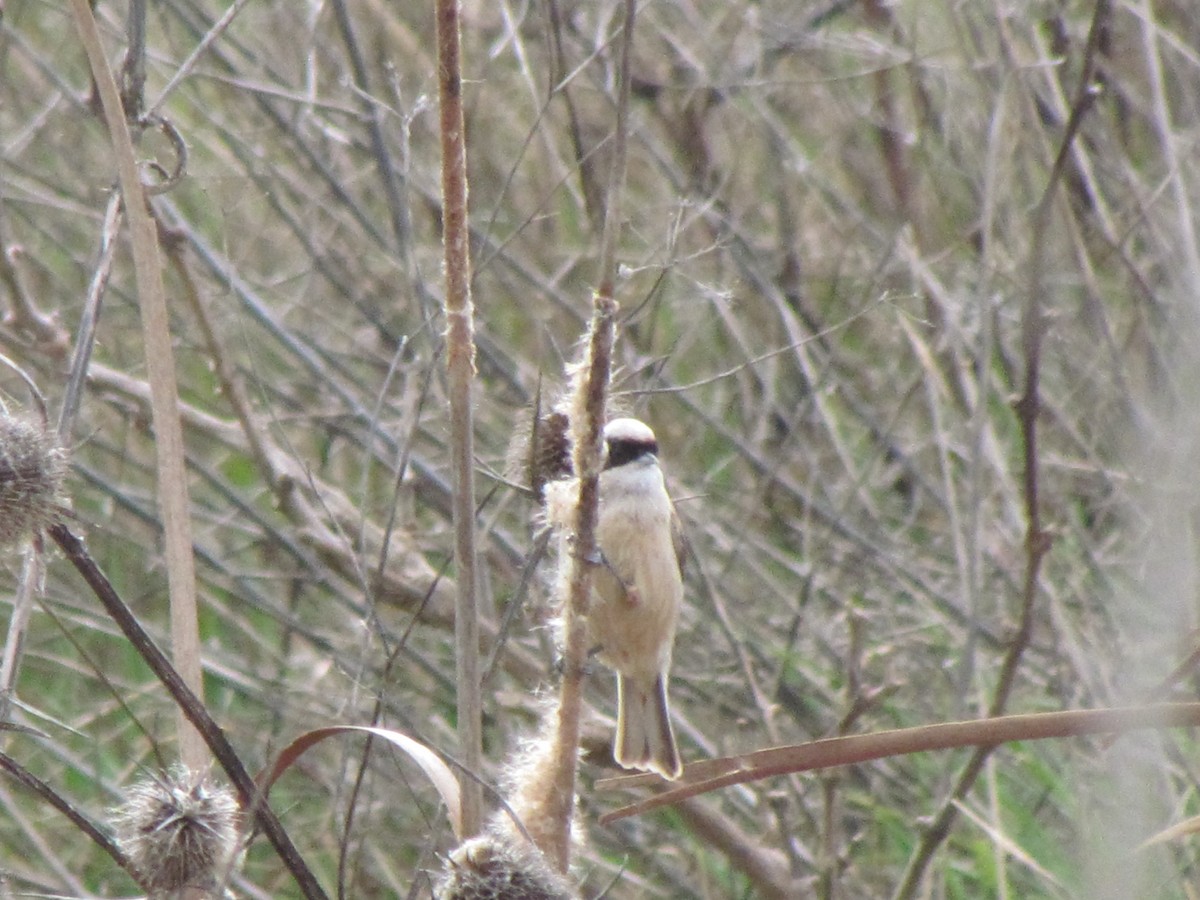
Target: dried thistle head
{"x": 32, "y": 470}
{"x": 180, "y": 830}
{"x": 502, "y": 866}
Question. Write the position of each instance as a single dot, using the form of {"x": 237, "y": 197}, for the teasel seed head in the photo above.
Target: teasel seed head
{"x": 180, "y": 830}
{"x": 32, "y": 470}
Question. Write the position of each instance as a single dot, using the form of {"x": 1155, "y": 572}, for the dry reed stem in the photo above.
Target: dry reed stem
{"x": 1037, "y": 540}
{"x": 587, "y": 418}
{"x": 987, "y": 734}
{"x": 460, "y": 371}
{"x": 164, "y": 392}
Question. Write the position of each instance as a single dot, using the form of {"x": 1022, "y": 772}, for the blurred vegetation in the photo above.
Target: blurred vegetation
{"x": 830, "y": 225}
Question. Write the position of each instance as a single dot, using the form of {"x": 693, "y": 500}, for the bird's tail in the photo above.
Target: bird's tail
{"x": 644, "y": 736}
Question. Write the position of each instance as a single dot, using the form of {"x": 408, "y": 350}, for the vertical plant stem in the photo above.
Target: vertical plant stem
{"x": 460, "y": 371}
{"x": 616, "y": 178}
{"x": 85, "y": 335}
{"x": 32, "y": 577}
{"x": 1037, "y": 541}
{"x": 587, "y": 422}
{"x": 164, "y": 395}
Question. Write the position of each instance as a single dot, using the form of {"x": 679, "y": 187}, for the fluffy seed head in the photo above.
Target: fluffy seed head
{"x": 539, "y": 452}
{"x": 500, "y": 866}
{"x": 32, "y": 470}
{"x": 180, "y": 829}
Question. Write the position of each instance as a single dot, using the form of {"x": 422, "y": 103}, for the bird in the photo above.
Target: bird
{"x": 637, "y": 592}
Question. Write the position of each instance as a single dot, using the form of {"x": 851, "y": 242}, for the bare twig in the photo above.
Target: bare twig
{"x": 714, "y": 774}
{"x": 388, "y": 172}
{"x": 1037, "y": 541}
{"x": 190, "y": 705}
{"x": 30, "y": 585}
{"x": 85, "y": 337}
{"x": 133, "y": 71}
{"x": 589, "y": 178}
{"x": 85, "y": 825}
{"x": 185, "y": 68}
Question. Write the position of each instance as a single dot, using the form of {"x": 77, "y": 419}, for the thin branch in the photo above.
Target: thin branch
{"x": 50, "y": 796}
{"x": 85, "y": 335}
{"x": 746, "y": 768}
{"x": 585, "y": 161}
{"x": 33, "y": 575}
{"x": 389, "y": 172}
{"x": 1037, "y": 541}
{"x": 133, "y": 71}
{"x": 190, "y": 706}
{"x": 185, "y": 68}
{"x": 616, "y": 177}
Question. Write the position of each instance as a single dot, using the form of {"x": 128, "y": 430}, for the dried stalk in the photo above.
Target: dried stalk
{"x": 190, "y": 705}
{"x": 747, "y": 768}
{"x": 1037, "y": 541}
{"x": 160, "y": 363}
{"x": 460, "y": 371}
{"x": 587, "y": 418}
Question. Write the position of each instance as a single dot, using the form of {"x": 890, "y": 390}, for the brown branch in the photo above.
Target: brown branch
{"x": 190, "y": 706}
{"x": 85, "y": 335}
{"x": 372, "y": 115}
{"x": 587, "y": 425}
{"x": 593, "y": 198}
{"x": 714, "y": 774}
{"x": 50, "y": 796}
{"x": 888, "y": 129}
{"x": 1037, "y": 541}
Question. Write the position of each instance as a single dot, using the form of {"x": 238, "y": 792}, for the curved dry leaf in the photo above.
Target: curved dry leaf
{"x": 710, "y": 775}
{"x": 431, "y": 764}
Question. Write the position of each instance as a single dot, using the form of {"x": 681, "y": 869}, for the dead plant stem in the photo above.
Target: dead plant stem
{"x": 1037, "y": 541}
{"x": 587, "y": 423}
{"x": 746, "y": 768}
{"x": 460, "y": 372}
{"x": 164, "y": 393}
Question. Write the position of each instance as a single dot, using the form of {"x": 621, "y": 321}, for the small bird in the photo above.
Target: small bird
{"x": 637, "y": 593}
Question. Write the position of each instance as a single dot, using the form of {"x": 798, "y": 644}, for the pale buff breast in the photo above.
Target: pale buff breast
{"x": 635, "y": 630}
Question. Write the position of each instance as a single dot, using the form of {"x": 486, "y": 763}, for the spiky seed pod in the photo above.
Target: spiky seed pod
{"x": 32, "y": 470}
{"x": 502, "y": 866}
{"x": 180, "y": 829}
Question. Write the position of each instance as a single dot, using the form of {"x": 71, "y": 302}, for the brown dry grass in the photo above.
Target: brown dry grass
{"x": 829, "y": 215}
